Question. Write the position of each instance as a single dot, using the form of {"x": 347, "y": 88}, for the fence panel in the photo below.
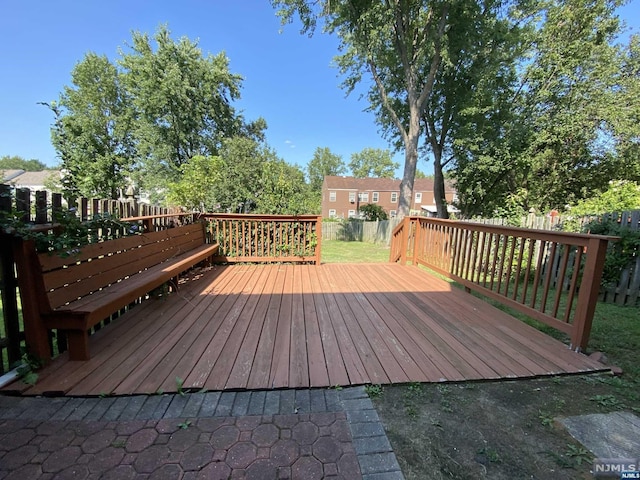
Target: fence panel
{"x": 379, "y": 232}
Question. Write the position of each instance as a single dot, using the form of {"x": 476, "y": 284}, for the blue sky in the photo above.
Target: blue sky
{"x": 288, "y": 77}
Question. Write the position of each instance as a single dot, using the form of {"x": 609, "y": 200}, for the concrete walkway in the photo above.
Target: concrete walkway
{"x": 270, "y": 435}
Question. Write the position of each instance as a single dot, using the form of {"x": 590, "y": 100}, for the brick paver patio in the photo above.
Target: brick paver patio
{"x": 275, "y": 435}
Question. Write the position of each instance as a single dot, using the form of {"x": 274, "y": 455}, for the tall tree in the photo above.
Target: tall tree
{"x": 160, "y": 105}
{"x": 283, "y": 190}
{"x": 392, "y": 39}
{"x": 373, "y": 162}
{"x": 324, "y": 163}
{"x": 569, "y": 90}
{"x": 15, "y": 162}
{"x": 182, "y": 101}
{"x": 93, "y": 131}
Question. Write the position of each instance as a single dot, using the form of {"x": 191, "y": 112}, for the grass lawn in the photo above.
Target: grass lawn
{"x": 335, "y": 251}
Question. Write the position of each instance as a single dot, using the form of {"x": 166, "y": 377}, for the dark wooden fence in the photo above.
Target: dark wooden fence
{"x": 38, "y": 211}
{"x": 553, "y": 277}
{"x": 626, "y": 289}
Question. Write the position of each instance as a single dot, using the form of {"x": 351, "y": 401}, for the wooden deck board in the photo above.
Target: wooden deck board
{"x": 297, "y": 326}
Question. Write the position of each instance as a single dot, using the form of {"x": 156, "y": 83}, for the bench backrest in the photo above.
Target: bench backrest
{"x": 101, "y": 264}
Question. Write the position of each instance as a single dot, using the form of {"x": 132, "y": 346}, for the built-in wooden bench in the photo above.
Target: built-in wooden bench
{"x": 75, "y": 292}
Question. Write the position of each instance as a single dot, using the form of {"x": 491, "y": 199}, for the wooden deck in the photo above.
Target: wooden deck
{"x": 296, "y": 326}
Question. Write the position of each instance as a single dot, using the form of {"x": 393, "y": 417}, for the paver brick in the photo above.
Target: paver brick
{"x": 225, "y": 436}
{"x": 61, "y": 459}
{"x": 367, "y": 429}
{"x": 327, "y": 450}
{"x": 141, "y": 439}
{"x": 306, "y": 468}
{"x": 305, "y": 433}
{"x": 215, "y": 471}
{"x": 264, "y": 468}
{"x": 241, "y": 455}
{"x": 378, "y": 463}
{"x": 368, "y": 445}
{"x": 20, "y": 456}
{"x": 256, "y": 403}
{"x": 225, "y": 403}
{"x": 167, "y": 472}
{"x": 106, "y": 460}
{"x": 265, "y": 435}
{"x": 209, "y": 404}
{"x": 150, "y": 459}
{"x": 98, "y": 441}
{"x": 197, "y": 457}
{"x": 241, "y": 403}
{"x": 284, "y": 452}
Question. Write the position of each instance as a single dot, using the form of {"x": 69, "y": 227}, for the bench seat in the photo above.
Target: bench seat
{"x": 76, "y": 292}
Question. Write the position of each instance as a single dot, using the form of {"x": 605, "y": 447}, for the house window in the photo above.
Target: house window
{"x": 363, "y": 197}
{"x": 332, "y": 213}
{"x": 418, "y": 197}
{"x": 352, "y": 213}
{"x": 352, "y": 197}
{"x": 392, "y": 213}
{"x": 332, "y": 196}
{"x": 374, "y": 197}
{"x": 394, "y": 197}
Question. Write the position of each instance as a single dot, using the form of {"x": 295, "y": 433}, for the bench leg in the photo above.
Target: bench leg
{"x": 78, "y": 342}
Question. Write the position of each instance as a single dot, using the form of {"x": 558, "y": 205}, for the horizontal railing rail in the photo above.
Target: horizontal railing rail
{"x": 266, "y": 238}
{"x": 552, "y": 277}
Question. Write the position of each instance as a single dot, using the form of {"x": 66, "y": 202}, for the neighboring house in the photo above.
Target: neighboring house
{"x": 31, "y": 180}
{"x": 343, "y": 196}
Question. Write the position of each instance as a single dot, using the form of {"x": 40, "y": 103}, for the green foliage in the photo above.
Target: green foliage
{"x": 160, "y": 105}
{"x": 15, "y": 162}
{"x": 373, "y": 162}
{"x": 27, "y": 368}
{"x": 620, "y": 196}
{"x": 373, "y": 212}
{"x": 578, "y": 453}
{"x": 184, "y": 425}
{"x": 284, "y": 191}
{"x": 621, "y": 253}
{"x": 70, "y": 233}
{"x": 195, "y": 190}
{"x": 93, "y": 131}
{"x": 324, "y": 163}
{"x": 373, "y": 391}
{"x": 179, "y": 386}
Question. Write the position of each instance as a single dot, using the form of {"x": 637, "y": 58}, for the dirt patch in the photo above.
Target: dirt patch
{"x": 496, "y": 430}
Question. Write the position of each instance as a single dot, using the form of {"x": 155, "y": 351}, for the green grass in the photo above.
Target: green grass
{"x": 335, "y": 251}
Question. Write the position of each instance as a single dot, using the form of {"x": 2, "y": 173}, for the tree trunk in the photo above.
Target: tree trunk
{"x": 438, "y": 184}
{"x": 410, "y": 163}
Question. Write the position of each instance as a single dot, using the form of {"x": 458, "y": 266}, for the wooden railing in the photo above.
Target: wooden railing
{"x": 552, "y": 277}
{"x": 266, "y": 238}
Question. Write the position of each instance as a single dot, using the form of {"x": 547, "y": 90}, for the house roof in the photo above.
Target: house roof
{"x": 34, "y": 179}
{"x": 8, "y": 175}
{"x": 380, "y": 184}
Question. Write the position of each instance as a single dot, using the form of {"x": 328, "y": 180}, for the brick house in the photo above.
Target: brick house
{"x": 342, "y": 196}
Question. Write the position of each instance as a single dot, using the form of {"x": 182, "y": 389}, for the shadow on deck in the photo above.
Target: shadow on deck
{"x": 296, "y": 326}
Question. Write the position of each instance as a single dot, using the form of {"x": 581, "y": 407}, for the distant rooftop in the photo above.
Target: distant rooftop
{"x": 20, "y": 178}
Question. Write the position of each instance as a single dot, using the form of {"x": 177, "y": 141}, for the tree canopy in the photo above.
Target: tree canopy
{"x": 525, "y": 104}
{"x": 160, "y": 105}
{"x": 324, "y": 163}
{"x": 373, "y": 162}
{"x": 16, "y": 162}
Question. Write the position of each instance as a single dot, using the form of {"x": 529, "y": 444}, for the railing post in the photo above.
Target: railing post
{"x": 36, "y": 334}
{"x": 319, "y": 240}
{"x": 589, "y": 290}
{"x": 417, "y": 237}
{"x": 404, "y": 240}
